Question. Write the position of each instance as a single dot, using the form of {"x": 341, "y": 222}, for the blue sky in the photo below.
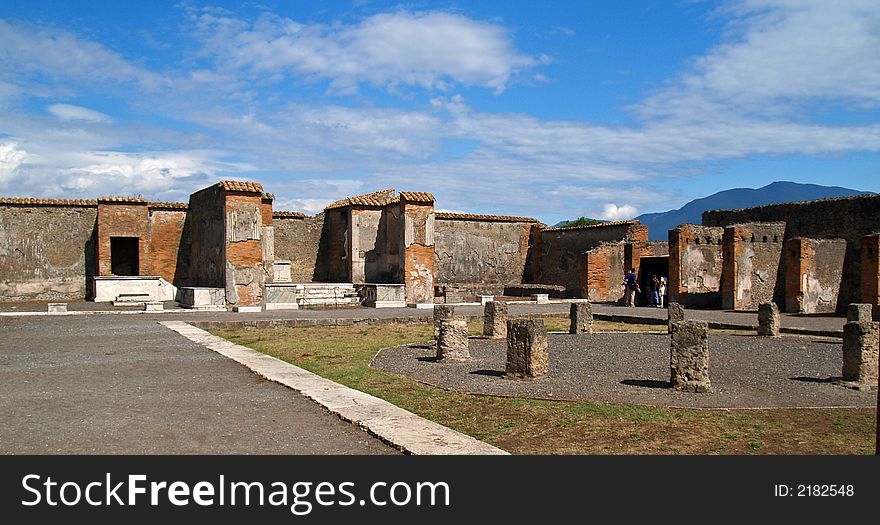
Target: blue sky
{"x": 551, "y": 110}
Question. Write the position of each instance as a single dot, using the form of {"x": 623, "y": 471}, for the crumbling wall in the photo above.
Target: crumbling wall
{"x": 331, "y": 263}
{"x": 752, "y": 261}
{"x": 870, "y": 267}
{"x": 849, "y": 218}
{"x": 695, "y": 261}
{"x": 814, "y": 274}
{"x": 375, "y": 247}
{"x": 244, "y": 249}
{"x": 170, "y": 244}
{"x": 602, "y": 276}
{"x": 298, "y": 239}
{"x": 481, "y": 252}
{"x": 122, "y": 217}
{"x": 418, "y": 247}
{"x": 47, "y": 252}
{"x": 563, "y": 253}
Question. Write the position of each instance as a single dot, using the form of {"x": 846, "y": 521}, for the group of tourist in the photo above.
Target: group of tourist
{"x": 656, "y": 291}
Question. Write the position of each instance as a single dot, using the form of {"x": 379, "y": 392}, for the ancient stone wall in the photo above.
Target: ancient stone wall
{"x": 483, "y": 252}
{"x": 416, "y": 241}
{"x": 695, "y": 260}
{"x": 375, "y": 246}
{"x": 208, "y": 219}
{"x": 563, "y": 254}
{"x": 752, "y": 262}
{"x": 331, "y": 264}
{"x": 244, "y": 249}
{"x": 814, "y": 274}
{"x": 298, "y": 239}
{"x": 602, "y": 276}
{"x": 47, "y": 251}
{"x": 849, "y": 218}
{"x": 121, "y": 217}
{"x": 870, "y": 269}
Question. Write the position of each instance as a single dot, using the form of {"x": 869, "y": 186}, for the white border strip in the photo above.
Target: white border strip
{"x": 398, "y": 427}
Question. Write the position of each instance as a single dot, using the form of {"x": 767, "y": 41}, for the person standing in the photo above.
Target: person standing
{"x": 655, "y": 291}
{"x": 662, "y": 291}
{"x": 631, "y": 285}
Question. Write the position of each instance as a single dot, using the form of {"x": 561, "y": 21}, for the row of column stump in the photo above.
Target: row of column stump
{"x": 527, "y": 356}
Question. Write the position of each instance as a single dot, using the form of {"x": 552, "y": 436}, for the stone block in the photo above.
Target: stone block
{"x": 768, "y": 320}
{"x": 56, "y": 308}
{"x": 203, "y": 298}
{"x": 689, "y": 356}
{"x": 675, "y": 314}
{"x": 383, "y": 295}
{"x": 541, "y": 298}
{"x": 442, "y": 313}
{"x": 247, "y": 309}
{"x": 495, "y": 320}
{"x": 485, "y": 299}
{"x": 282, "y": 306}
{"x": 859, "y": 313}
{"x": 527, "y": 356}
{"x": 154, "y": 307}
{"x": 860, "y": 353}
{"x": 581, "y": 317}
{"x": 452, "y": 342}
{"x": 281, "y": 271}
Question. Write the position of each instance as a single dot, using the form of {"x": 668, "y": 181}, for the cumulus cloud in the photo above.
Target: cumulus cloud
{"x": 69, "y": 112}
{"x": 613, "y": 212}
{"x": 11, "y": 157}
{"x": 432, "y": 50}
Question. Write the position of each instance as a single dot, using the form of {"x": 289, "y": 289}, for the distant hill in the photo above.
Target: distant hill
{"x": 659, "y": 224}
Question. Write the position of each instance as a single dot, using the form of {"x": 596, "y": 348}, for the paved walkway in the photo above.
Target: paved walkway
{"x": 127, "y": 385}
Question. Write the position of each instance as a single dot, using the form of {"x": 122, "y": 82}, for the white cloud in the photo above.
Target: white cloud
{"x": 432, "y": 50}
{"x": 69, "y": 112}
{"x": 613, "y": 212}
{"x": 61, "y": 55}
{"x": 11, "y": 157}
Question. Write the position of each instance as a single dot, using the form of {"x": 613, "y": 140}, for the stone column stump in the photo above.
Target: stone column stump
{"x": 689, "y": 356}
{"x": 452, "y": 343}
{"x": 441, "y": 313}
{"x": 860, "y": 353}
{"x": 495, "y": 320}
{"x": 581, "y": 317}
{"x": 768, "y": 320}
{"x": 675, "y": 313}
{"x": 859, "y": 313}
{"x": 527, "y": 356}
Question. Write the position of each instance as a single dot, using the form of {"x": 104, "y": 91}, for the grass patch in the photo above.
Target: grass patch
{"x": 525, "y": 426}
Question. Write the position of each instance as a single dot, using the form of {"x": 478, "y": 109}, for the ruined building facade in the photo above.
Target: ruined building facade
{"x": 230, "y": 243}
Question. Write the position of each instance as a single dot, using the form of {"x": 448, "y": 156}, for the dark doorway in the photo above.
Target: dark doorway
{"x": 124, "y": 256}
{"x": 649, "y": 267}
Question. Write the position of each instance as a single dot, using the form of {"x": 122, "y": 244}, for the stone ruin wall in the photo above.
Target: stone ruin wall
{"x": 565, "y": 257}
{"x": 752, "y": 272}
{"x": 695, "y": 263}
{"x": 814, "y": 273}
{"x": 298, "y": 240}
{"x": 478, "y": 257}
{"x": 47, "y": 251}
{"x": 849, "y": 218}
{"x": 602, "y": 280}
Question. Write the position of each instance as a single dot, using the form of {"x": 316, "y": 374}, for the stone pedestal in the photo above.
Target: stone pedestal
{"x": 689, "y": 356}
{"x": 383, "y": 295}
{"x": 452, "y": 342}
{"x": 485, "y": 299}
{"x": 527, "y": 356}
{"x": 203, "y": 298}
{"x": 675, "y": 314}
{"x": 581, "y": 317}
{"x": 442, "y": 313}
{"x": 768, "y": 320}
{"x": 859, "y": 313}
{"x": 281, "y": 271}
{"x": 541, "y": 298}
{"x": 495, "y": 320}
{"x": 154, "y": 307}
{"x": 860, "y": 353}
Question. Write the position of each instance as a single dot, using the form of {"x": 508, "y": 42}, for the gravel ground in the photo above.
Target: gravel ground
{"x": 746, "y": 371}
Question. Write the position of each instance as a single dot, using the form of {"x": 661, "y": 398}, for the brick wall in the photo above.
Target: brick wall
{"x": 123, "y": 219}
{"x": 870, "y": 268}
{"x": 695, "y": 263}
{"x": 244, "y": 249}
{"x": 813, "y": 275}
{"x": 603, "y": 272}
{"x": 752, "y": 261}
{"x": 170, "y": 245}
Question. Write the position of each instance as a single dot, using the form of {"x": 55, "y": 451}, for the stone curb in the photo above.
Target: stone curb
{"x": 399, "y": 428}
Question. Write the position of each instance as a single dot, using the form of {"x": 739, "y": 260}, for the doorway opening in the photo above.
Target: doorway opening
{"x": 124, "y": 256}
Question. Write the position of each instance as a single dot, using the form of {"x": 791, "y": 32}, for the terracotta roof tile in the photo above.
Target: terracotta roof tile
{"x": 377, "y": 198}
{"x": 291, "y": 214}
{"x": 416, "y": 196}
{"x": 600, "y": 225}
{"x": 123, "y": 199}
{"x": 237, "y": 185}
{"x": 170, "y": 205}
{"x": 474, "y": 217}
{"x": 29, "y": 201}
{"x": 269, "y": 196}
